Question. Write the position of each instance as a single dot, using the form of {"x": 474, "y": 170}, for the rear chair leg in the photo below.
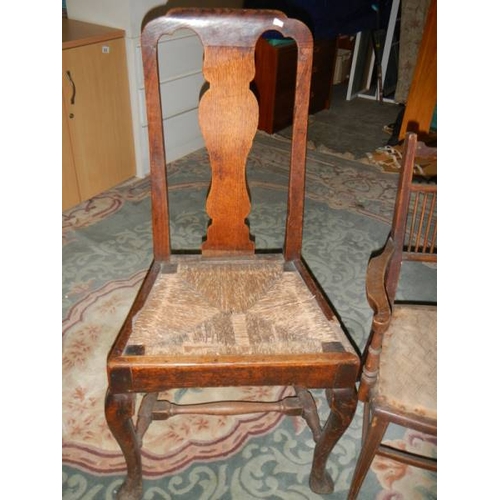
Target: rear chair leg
{"x": 373, "y": 437}
{"x": 119, "y": 411}
{"x": 343, "y": 406}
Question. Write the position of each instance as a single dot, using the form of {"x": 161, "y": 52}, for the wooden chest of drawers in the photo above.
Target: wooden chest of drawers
{"x": 275, "y": 70}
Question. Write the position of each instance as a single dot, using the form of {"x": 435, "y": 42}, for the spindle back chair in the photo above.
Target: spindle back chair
{"x": 398, "y": 380}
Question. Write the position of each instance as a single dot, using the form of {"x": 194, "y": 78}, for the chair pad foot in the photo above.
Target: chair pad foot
{"x": 321, "y": 485}
{"x": 129, "y": 491}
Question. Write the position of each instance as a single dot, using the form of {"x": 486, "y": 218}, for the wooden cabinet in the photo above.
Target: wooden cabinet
{"x": 98, "y": 145}
{"x": 274, "y": 84}
{"x": 422, "y": 97}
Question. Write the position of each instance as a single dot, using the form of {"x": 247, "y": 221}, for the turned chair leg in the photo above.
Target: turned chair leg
{"x": 373, "y": 436}
{"x": 119, "y": 411}
{"x": 366, "y": 422}
{"x": 343, "y": 406}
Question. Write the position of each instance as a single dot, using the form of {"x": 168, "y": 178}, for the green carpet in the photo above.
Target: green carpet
{"x": 106, "y": 250}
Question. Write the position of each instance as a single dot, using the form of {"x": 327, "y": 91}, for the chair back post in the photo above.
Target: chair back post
{"x": 400, "y": 214}
{"x": 228, "y": 113}
{"x": 157, "y": 160}
{"x": 296, "y": 188}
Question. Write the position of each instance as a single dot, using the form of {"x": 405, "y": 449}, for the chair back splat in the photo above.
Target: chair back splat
{"x": 230, "y": 315}
{"x": 228, "y": 114}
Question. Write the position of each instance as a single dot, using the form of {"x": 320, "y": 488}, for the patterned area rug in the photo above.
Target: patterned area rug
{"x": 106, "y": 251}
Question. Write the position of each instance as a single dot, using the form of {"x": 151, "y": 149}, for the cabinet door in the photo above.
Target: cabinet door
{"x": 70, "y": 190}
{"x": 97, "y": 102}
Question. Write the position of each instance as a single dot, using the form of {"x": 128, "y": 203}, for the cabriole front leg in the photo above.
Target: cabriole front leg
{"x": 119, "y": 411}
{"x": 343, "y": 406}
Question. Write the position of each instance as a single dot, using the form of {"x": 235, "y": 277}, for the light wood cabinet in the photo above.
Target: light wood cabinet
{"x": 98, "y": 146}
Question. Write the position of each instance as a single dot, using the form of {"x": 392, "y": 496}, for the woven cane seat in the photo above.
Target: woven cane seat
{"x": 408, "y": 363}
{"x": 243, "y": 307}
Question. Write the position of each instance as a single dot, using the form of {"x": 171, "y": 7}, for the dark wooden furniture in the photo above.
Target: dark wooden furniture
{"x": 274, "y": 84}
{"x": 398, "y": 381}
{"x": 229, "y": 315}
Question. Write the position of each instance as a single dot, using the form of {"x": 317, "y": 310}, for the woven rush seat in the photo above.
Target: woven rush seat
{"x": 254, "y": 306}
{"x": 408, "y": 363}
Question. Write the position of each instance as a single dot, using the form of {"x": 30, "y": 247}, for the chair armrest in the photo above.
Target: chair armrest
{"x": 379, "y": 301}
{"x": 376, "y": 292}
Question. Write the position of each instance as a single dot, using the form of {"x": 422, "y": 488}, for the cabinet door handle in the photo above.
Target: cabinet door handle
{"x": 73, "y": 95}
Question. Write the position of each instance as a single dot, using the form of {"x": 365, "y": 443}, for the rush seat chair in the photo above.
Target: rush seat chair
{"x": 398, "y": 382}
{"x": 228, "y": 315}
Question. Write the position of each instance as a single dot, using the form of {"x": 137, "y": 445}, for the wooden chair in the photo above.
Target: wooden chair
{"x": 229, "y": 315}
{"x": 398, "y": 381}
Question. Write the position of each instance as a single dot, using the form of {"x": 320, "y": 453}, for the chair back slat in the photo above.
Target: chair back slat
{"x": 414, "y": 227}
{"x": 421, "y": 235}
